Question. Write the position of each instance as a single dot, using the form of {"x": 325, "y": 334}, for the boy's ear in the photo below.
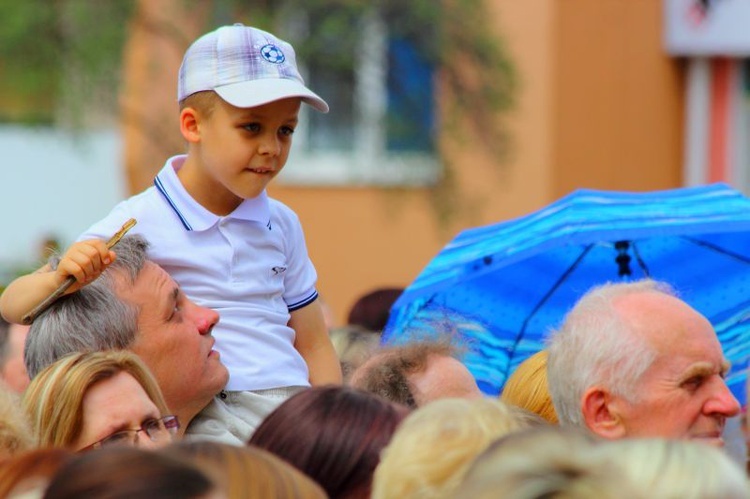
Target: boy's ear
{"x": 189, "y": 124}
{"x": 601, "y": 414}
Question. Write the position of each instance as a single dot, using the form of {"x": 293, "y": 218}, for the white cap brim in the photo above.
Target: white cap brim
{"x": 258, "y": 92}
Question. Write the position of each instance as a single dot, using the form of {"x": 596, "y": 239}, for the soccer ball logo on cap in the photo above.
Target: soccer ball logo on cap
{"x": 272, "y": 54}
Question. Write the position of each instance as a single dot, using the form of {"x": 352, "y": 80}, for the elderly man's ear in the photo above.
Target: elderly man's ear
{"x": 601, "y": 413}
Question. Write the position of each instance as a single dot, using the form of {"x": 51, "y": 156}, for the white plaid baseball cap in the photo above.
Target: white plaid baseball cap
{"x": 246, "y": 66}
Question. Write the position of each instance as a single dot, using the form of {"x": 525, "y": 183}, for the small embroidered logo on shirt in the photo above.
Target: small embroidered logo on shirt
{"x": 278, "y": 270}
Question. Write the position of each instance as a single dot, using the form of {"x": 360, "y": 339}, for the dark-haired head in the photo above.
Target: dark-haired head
{"x": 339, "y": 439}
{"x": 371, "y": 310}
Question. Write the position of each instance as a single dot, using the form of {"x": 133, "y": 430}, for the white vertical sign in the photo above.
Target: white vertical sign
{"x": 707, "y": 27}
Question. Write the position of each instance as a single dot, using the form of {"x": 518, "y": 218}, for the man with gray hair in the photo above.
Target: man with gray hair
{"x": 135, "y": 305}
{"x": 633, "y": 360}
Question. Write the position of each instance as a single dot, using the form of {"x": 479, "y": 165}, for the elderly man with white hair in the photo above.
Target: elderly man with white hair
{"x": 633, "y": 360}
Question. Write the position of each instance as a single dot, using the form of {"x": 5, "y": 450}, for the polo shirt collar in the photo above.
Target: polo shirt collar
{"x": 194, "y": 216}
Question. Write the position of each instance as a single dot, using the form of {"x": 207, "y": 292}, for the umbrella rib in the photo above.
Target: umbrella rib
{"x": 718, "y": 249}
{"x": 547, "y": 296}
{"x": 638, "y": 259}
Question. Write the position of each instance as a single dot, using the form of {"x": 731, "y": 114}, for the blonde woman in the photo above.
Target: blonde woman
{"x": 676, "y": 469}
{"x": 90, "y": 400}
{"x": 567, "y": 462}
{"x": 527, "y": 387}
{"x": 545, "y": 462}
{"x": 433, "y": 447}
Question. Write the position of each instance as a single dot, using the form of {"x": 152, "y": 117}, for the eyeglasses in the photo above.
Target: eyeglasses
{"x": 157, "y": 430}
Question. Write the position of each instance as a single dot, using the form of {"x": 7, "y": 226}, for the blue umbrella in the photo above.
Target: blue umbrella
{"x": 503, "y": 287}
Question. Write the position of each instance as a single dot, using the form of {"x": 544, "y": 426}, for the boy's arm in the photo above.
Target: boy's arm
{"x": 314, "y": 344}
{"x": 84, "y": 260}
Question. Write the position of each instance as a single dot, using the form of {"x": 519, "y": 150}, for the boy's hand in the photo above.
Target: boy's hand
{"x": 84, "y": 260}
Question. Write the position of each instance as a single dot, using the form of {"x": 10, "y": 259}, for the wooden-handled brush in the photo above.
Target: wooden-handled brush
{"x": 29, "y": 318}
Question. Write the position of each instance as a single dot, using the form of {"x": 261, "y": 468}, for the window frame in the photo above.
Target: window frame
{"x": 369, "y": 162}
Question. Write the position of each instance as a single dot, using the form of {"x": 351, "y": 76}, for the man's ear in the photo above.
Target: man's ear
{"x": 601, "y": 415}
{"x": 189, "y": 120}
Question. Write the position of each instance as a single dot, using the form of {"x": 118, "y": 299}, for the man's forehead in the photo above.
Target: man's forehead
{"x": 152, "y": 283}
{"x": 445, "y": 376}
{"x": 150, "y": 273}
{"x": 665, "y": 321}
{"x": 683, "y": 364}
{"x": 441, "y": 369}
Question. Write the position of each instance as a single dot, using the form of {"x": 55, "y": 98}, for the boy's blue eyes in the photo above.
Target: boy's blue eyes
{"x": 255, "y": 128}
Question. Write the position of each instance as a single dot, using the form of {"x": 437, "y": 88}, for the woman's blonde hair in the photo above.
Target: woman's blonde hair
{"x": 434, "y": 446}
{"x": 527, "y": 387}
{"x": 15, "y": 434}
{"x": 247, "y": 472}
{"x": 546, "y": 461}
{"x": 54, "y": 399}
{"x": 676, "y": 469}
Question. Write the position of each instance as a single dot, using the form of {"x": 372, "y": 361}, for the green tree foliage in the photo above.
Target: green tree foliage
{"x": 61, "y": 50}
{"x": 58, "y": 58}
{"x": 55, "y": 53}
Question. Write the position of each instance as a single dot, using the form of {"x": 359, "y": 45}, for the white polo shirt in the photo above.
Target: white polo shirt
{"x": 251, "y": 266}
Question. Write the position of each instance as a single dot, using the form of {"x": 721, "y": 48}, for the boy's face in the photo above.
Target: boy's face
{"x": 235, "y": 152}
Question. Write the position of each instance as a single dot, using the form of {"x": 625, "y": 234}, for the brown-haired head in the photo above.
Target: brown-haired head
{"x": 31, "y": 470}
{"x": 247, "y": 472}
{"x": 338, "y": 440}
